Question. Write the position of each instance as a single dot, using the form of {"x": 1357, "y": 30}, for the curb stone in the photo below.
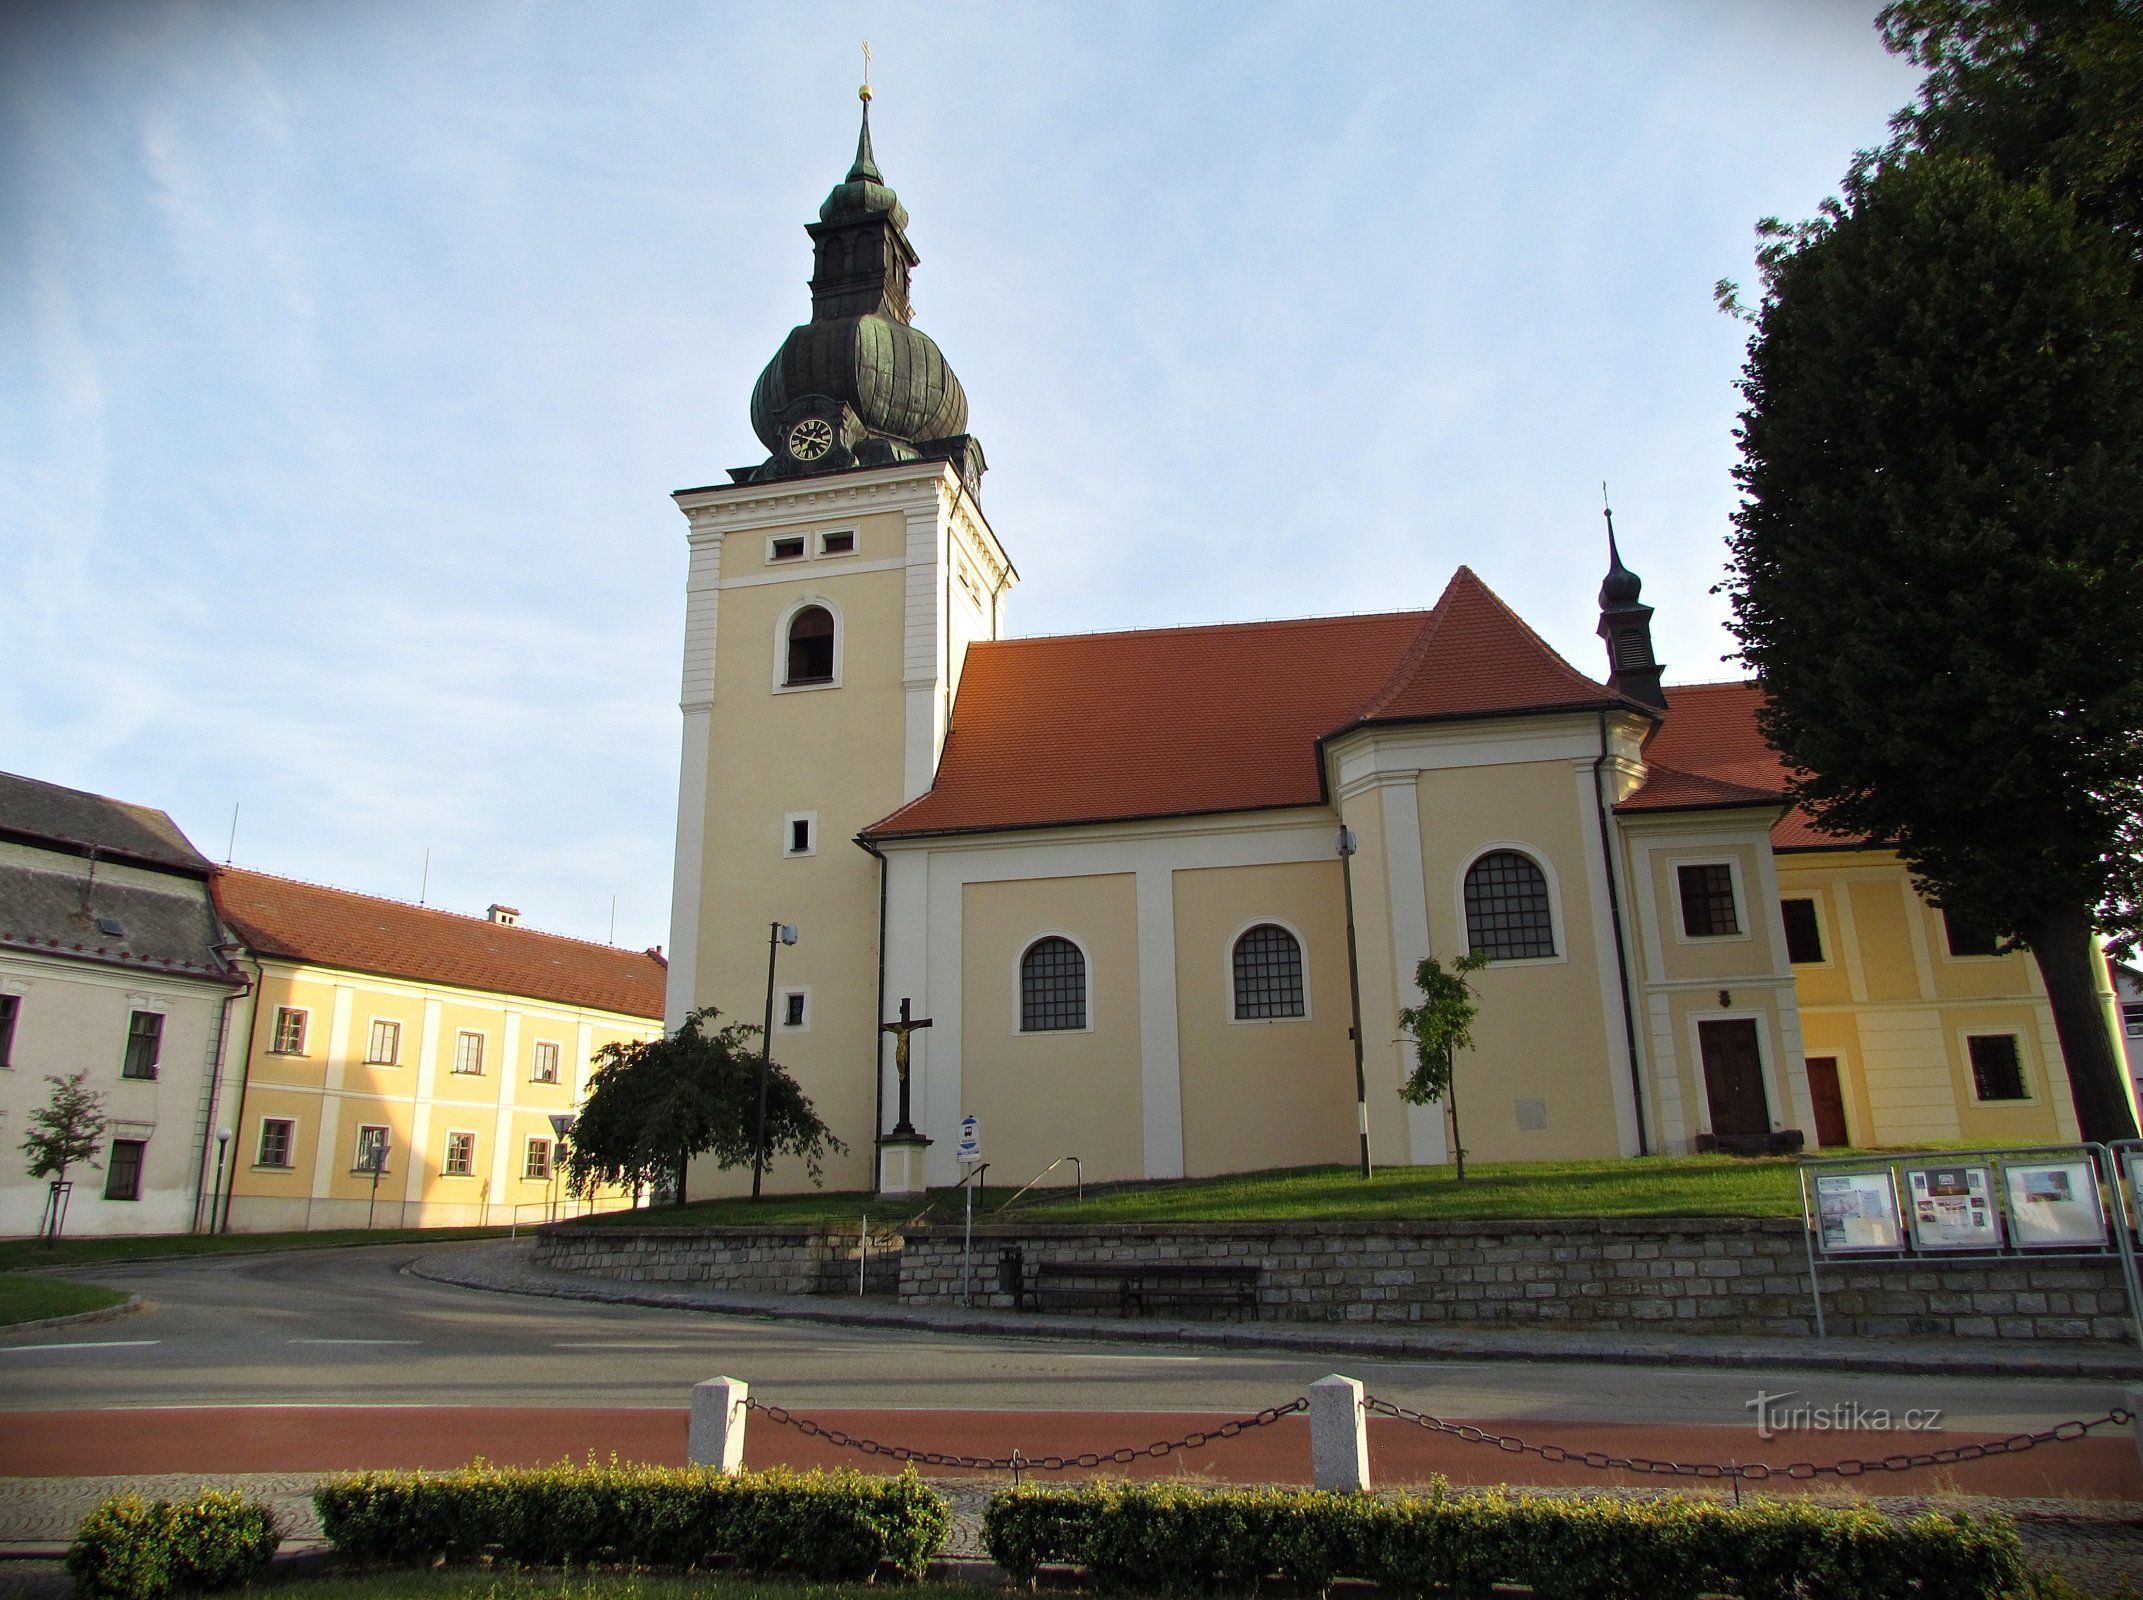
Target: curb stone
{"x": 126, "y": 1308}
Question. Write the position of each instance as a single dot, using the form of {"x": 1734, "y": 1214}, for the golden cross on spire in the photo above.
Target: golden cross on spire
{"x": 864, "y": 93}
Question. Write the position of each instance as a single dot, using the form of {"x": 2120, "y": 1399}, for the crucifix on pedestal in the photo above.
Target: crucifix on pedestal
{"x": 900, "y": 1031}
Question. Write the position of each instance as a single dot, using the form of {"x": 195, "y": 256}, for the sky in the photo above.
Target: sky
{"x": 349, "y": 354}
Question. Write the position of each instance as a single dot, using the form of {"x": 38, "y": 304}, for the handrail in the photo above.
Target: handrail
{"x": 1077, "y": 1167}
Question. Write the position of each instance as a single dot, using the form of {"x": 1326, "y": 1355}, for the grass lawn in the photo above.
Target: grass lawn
{"x": 27, "y": 1299}
{"x": 1652, "y": 1186}
{"x": 467, "y": 1584}
{"x": 30, "y": 1254}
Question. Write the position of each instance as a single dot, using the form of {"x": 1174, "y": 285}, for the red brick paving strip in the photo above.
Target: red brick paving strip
{"x": 2103, "y": 1466}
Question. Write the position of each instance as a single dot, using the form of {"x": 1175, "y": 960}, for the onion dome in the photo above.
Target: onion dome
{"x": 1626, "y": 629}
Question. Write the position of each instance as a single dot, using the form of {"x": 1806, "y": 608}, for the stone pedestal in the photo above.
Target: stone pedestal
{"x": 1339, "y": 1435}
{"x": 900, "y": 1164}
{"x": 715, "y": 1436}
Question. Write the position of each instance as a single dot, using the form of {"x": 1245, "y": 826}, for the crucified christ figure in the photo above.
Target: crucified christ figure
{"x": 900, "y": 1031}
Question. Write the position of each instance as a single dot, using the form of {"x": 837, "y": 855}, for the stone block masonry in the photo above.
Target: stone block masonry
{"x": 1613, "y": 1275}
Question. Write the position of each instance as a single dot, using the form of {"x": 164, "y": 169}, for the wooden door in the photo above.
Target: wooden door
{"x": 1829, "y": 1098}
{"x": 1734, "y": 1079}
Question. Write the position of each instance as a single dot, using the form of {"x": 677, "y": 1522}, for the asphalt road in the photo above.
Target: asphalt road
{"x": 347, "y": 1327}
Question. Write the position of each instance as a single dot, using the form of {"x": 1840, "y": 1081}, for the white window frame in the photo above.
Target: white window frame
{"x": 1086, "y": 962}
{"x": 372, "y": 1027}
{"x": 1539, "y": 858}
{"x": 803, "y": 542}
{"x": 535, "y": 1056}
{"x": 789, "y": 819}
{"x": 781, "y": 644}
{"x": 1676, "y": 923}
{"x": 550, "y": 1158}
{"x": 2132, "y": 1019}
{"x": 446, "y": 1154}
{"x": 781, "y": 1009}
{"x": 1302, "y": 949}
{"x": 461, "y": 1036}
{"x": 304, "y": 1017}
{"x": 855, "y": 547}
{"x": 2027, "y": 1066}
{"x": 290, "y": 1145}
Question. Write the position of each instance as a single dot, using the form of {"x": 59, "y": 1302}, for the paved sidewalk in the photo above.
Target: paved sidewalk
{"x": 504, "y": 1266}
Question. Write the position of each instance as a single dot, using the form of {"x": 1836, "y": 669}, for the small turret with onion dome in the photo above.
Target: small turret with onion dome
{"x": 860, "y": 385}
{"x": 1626, "y": 627}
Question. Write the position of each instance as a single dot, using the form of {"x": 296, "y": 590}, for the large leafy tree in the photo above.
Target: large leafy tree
{"x": 1938, "y": 564}
{"x": 654, "y": 1104}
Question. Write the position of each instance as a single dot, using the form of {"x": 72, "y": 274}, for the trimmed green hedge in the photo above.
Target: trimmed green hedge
{"x": 135, "y": 1549}
{"x": 823, "y": 1525}
{"x": 1174, "y": 1540}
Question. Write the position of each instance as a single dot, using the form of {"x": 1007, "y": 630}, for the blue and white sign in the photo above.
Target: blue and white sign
{"x": 970, "y": 1138}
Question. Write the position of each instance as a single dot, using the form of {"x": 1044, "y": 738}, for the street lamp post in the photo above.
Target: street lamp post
{"x": 778, "y": 934}
{"x": 1354, "y": 994}
{"x": 215, "y": 1203}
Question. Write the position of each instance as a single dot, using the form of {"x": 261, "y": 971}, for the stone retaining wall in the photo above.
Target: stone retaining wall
{"x": 1612, "y": 1275}
{"x": 770, "y": 1260}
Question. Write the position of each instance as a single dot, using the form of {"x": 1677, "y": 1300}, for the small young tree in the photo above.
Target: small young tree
{"x": 68, "y": 1129}
{"x": 654, "y": 1104}
{"x": 1441, "y": 1026}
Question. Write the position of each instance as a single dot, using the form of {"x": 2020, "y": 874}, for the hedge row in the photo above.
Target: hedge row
{"x": 823, "y": 1525}
{"x": 1174, "y": 1540}
{"x": 135, "y": 1549}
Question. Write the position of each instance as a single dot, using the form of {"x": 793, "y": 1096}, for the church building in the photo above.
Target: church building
{"x": 1154, "y": 899}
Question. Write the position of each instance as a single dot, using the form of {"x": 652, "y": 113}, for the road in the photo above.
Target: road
{"x": 347, "y": 1328}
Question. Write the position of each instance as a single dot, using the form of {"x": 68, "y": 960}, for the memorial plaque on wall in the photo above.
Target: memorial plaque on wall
{"x": 1953, "y": 1208}
{"x": 1857, "y": 1211}
{"x": 2054, "y": 1205}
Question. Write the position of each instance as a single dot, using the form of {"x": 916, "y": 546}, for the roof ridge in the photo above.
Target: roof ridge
{"x": 1720, "y": 683}
{"x": 1214, "y": 627}
{"x": 225, "y": 870}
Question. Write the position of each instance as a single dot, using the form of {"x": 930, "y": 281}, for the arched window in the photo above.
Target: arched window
{"x": 1507, "y": 914}
{"x": 1268, "y": 974}
{"x": 1052, "y": 987}
{"x": 811, "y": 646}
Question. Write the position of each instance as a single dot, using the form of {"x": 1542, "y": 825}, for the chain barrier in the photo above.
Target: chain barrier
{"x": 1016, "y": 1463}
{"x": 1753, "y": 1471}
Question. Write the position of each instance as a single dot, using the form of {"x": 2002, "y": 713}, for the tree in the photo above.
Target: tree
{"x": 1938, "y": 563}
{"x": 67, "y": 1129}
{"x": 1441, "y": 1026}
{"x": 654, "y": 1104}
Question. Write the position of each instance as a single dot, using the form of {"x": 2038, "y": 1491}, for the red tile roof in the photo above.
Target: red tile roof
{"x": 362, "y": 933}
{"x": 1188, "y": 721}
{"x": 1710, "y": 744}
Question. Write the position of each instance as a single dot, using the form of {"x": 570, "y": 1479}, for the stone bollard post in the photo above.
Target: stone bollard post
{"x": 2133, "y": 1403}
{"x": 716, "y": 1438}
{"x": 1339, "y": 1435}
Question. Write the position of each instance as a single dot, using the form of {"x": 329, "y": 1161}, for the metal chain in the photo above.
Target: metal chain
{"x": 1754, "y": 1471}
{"x": 1017, "y": 1462}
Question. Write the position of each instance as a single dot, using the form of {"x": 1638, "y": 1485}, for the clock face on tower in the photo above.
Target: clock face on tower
{"x": 810, "y": 438}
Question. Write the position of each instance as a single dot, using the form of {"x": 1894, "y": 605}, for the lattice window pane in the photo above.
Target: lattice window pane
{"x": 1708, "y": 910}
{"x": 1268, "y": 973}
{"x": 1507, "y": 917}
{"x": 1052, "y": 987}
{"x": 1997, "y": 1070}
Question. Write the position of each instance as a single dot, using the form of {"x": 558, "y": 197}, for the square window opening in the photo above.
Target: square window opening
{"x": 469, "y": 1054}
{"x": 786, "y": 549}
{"x": 536, "y": 1164}
{"x": 799, "y": 836}
{"x": 544, "y": 1067}
{"x": 122, "y": 1169}
{"x": 837, "y": 544}
{"x": 792, "y": 1008}
{"x": 384, "y": 1047}
{"x": 460, "y": 1155}
{"x": 289, "y": 1031}
{"x": 1997, "y": 1068}
{"x": 1804, "y": 937}
{"x": 144, "y": 1045}
{"x": 277, "y": 1137}
{"x": 1708, "y": 909}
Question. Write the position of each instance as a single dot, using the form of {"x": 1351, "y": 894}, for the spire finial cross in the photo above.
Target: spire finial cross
{"x": 864, "y": 93}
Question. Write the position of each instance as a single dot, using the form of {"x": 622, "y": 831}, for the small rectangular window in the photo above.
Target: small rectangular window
{"x": 277, "y": 1135}
{"x": 799, "y": 836}
{"x": 2132, "y": 1021}
{"x": 469, "y": 1054}
{"x": 544, "y": 1067}
{"x": 289, "y": 1032}
{"x": 785, "y": 549}
{"x": 837, "y": 544}
{"x": 384, "y": 1047}
{"x": 1997, "y": 1071}
{"x": 122, "y": 1169}
{"x": 792, "y": 1008}
{"x": 144, "y": 1045}
{"x": 1804, "y": 939}
{"x": 537, "y": 1163}
{"x": 460, "y": 1155}
{"x": 10, "y": 1008}
{"x": 1708, "y": 910}
{"x": 372, "y": 1145}
{"x": 1966, "y": 938}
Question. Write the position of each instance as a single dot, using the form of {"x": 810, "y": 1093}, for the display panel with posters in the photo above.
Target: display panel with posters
{"x": 2054, "y": 1205}
{"x": 1953, "y": 1208}
{"x": 1857, "y": 1211}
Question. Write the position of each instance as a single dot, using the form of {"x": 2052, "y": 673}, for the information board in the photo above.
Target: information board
{"x": 1857, "y": 1211}
{"x": 1953, "y": 1208}
{"x": 2054, "y": 1205}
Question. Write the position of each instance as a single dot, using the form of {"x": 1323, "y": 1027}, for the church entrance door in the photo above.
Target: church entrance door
{"x": 1829, "y": 1098}
{"x": 1733, "y": 1078}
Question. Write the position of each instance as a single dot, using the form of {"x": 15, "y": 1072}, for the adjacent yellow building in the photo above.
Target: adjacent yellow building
{"x": 445, "y": 1042}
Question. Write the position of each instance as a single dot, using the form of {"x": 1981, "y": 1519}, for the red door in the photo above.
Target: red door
{"x": 1829, "y": 1098}
{"x": 1734, "y": 1078}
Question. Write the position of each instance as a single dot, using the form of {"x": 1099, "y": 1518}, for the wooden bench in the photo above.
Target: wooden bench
{"x": 1134, "y": 1287}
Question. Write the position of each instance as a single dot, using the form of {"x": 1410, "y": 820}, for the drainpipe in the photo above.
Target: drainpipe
{"x": 878, "y": 1016}
{"x": 1354, "y": 991}
{"x": 222, "y": 1224}
{"x": 1622, "y": 957}
{"x": 215, "y": 1086}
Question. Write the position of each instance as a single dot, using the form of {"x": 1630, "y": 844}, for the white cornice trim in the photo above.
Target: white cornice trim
{"x": 1322, "y": 820}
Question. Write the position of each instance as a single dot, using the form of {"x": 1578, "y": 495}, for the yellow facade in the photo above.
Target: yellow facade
{"x": 457, "y": 1077}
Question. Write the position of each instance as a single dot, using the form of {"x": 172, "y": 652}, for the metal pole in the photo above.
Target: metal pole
{"x": 1808, "y": 1238}
{"x": 766, "y": 1060}
{"x": 2127, "y": 1245}
{"x": 223, "y": 1140}
{"x": 1354, "y": 994}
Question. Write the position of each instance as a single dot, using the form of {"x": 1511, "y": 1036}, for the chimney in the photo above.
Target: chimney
{"x": 504, "y": 916}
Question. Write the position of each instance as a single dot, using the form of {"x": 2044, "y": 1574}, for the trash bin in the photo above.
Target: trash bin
{"x": 1011, "y": 1274}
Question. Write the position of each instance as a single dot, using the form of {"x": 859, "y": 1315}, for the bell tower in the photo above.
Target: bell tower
{"x": 832, "y": 592}
{"x": 1626, "y": 628}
